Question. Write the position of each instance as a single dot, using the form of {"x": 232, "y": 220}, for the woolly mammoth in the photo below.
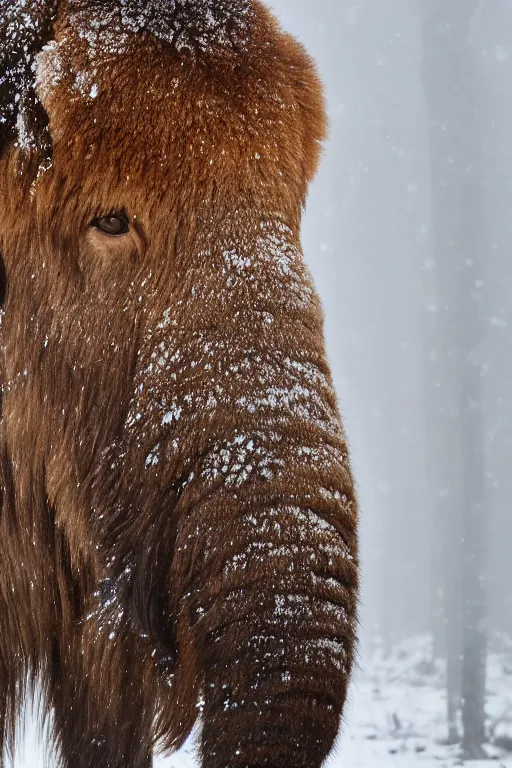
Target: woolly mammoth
{"x": 178, "y": 518}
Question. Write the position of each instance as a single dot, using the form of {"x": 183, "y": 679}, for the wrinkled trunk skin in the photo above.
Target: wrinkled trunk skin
{"x": 236, "y": 423}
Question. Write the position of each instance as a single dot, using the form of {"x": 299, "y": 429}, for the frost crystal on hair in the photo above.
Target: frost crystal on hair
{"x": 190, "y": 24}
{"x": 24, "y": 29}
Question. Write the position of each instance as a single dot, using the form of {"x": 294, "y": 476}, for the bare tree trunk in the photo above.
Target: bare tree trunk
{"x": 443, "y": 462}
{"x": 475, "y": 514}
{"x": 475, "y": 635}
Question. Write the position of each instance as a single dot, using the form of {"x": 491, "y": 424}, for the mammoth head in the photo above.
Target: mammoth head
{"x": 165, "y": 388}
{"x": 182, "y": 136}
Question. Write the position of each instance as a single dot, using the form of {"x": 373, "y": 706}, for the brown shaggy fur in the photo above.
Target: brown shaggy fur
{"x": 178, "y": 518}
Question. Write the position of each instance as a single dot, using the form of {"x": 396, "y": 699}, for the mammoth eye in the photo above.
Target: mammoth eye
{"x": 115, "y": 224}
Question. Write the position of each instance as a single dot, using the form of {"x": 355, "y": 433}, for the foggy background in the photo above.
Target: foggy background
{"x": 391, "y": 281}
{"x": 408, "y": 232}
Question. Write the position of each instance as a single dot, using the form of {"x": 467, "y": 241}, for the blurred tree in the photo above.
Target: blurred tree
{"x": 455, "y": 390}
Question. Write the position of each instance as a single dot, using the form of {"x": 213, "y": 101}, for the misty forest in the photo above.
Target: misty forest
{"x": 408, "y": 234}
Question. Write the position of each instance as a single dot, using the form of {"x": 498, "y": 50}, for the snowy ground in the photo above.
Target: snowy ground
{"x": 396, "y": 717}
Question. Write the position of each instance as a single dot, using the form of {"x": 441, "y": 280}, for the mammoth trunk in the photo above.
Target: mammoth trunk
{"x": 271, "y": 597}
{"x": 251, "y": 590}
{"x": 268, "y": 576}
{"x": 263, "y": 577}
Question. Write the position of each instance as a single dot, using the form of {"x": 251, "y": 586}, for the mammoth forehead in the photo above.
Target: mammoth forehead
{"x": 150, "y": 68}
{"x": 102, "y": 29}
